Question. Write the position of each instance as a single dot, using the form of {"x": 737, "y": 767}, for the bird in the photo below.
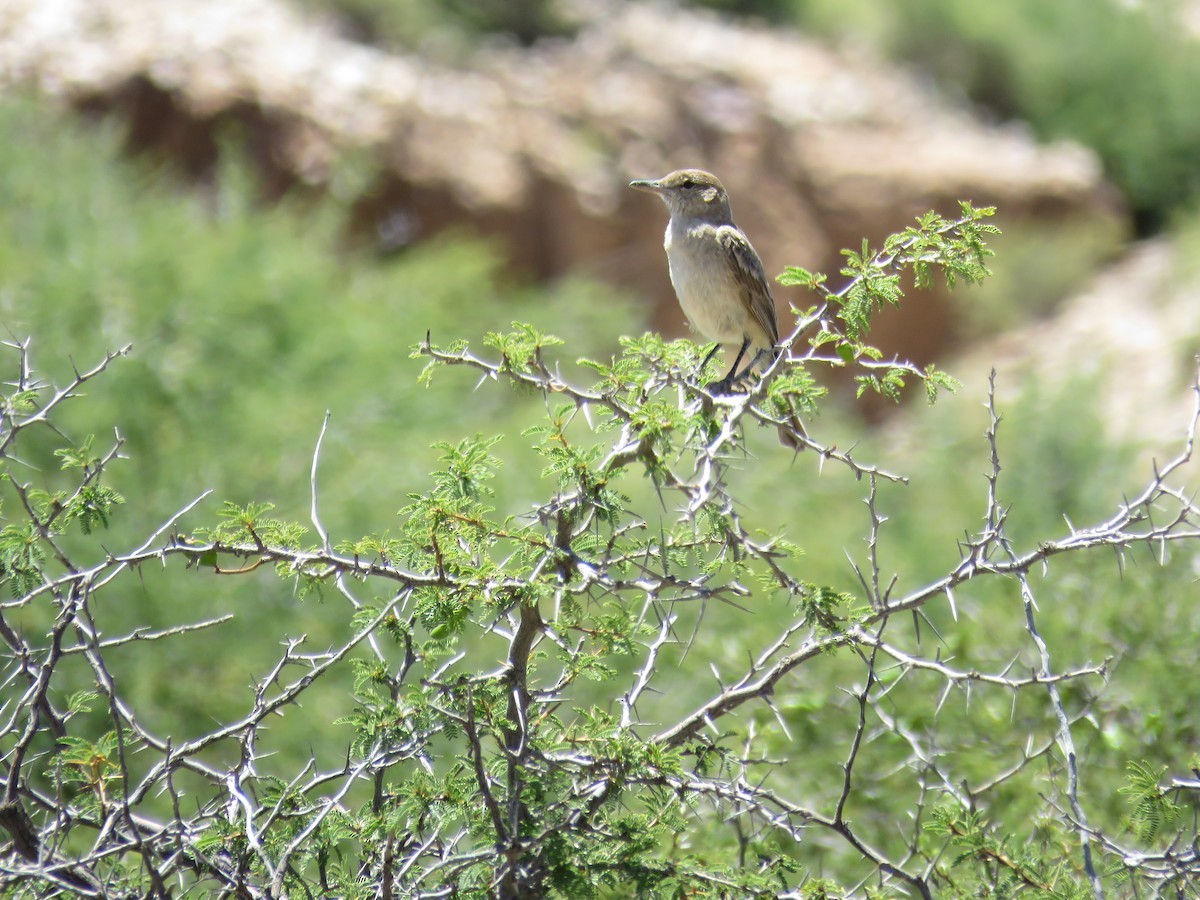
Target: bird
{"x": 718, "y": 277}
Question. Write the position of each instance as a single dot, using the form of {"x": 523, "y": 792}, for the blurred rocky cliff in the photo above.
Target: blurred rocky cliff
{"x": 534, "y": 146}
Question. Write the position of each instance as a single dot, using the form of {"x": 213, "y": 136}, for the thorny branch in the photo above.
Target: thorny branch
{"x": 538, "y": 776}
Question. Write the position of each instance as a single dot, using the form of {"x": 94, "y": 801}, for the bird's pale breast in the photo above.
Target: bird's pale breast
{"x": 706, "y": 286}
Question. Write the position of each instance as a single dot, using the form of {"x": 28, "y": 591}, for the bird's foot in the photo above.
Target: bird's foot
{"x": 730, "y": 384}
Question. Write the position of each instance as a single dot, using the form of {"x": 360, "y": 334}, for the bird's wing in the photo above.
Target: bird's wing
{"x": 751, "y": 279}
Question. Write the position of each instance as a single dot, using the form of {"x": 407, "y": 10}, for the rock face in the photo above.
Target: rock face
{"x": 535, "y": 146}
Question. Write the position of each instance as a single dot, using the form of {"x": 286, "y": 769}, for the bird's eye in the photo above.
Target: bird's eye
{"x": 688, "y": 183}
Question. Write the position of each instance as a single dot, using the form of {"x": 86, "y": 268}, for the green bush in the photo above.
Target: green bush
{"x": 218, "y": 698}
{"x": 246, "y": 325}
{"x": 634, "y": 685}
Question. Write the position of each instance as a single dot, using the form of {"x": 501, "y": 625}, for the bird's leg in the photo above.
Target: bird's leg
{"x": 708, "y": 357}
{"x": 754, "y": 362}
{"x": 725, "y": 383}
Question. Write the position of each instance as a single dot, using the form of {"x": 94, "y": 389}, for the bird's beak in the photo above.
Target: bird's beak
{"x": 652, "y": 187}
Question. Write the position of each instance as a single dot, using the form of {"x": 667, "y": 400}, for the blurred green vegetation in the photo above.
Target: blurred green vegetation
{"x": 247, "y": 324}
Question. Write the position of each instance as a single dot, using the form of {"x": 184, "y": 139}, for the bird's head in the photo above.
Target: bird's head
{"x": 692, "y": 194}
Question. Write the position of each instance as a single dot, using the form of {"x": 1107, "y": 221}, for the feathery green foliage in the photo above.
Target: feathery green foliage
{"x": 518, "y": 690}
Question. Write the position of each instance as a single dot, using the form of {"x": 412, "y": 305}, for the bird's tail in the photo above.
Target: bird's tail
{"x": 792, "y": 434}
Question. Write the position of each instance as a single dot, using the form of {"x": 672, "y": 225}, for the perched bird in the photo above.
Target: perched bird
{"x": 717, "y": 276}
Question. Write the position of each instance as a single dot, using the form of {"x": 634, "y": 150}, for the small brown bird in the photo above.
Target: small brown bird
{"x": 717, "y": 276}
